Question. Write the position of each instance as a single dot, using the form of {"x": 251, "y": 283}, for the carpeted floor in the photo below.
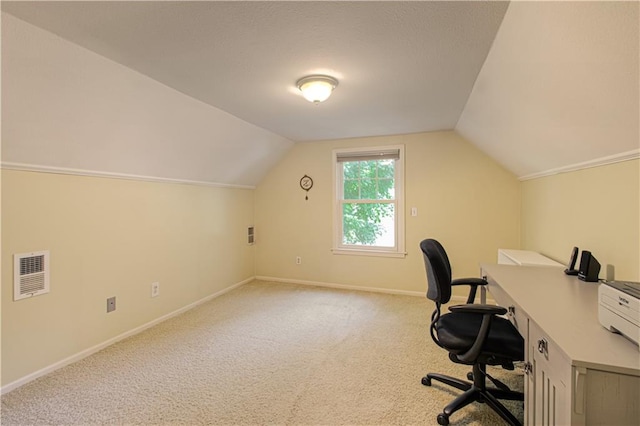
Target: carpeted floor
{"x": 265, "y": 353}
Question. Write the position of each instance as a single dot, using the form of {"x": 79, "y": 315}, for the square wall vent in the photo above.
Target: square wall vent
{"x": 30, "y": 274}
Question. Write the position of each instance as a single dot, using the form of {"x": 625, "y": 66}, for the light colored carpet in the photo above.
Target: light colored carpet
{"x": 265, "y": 353}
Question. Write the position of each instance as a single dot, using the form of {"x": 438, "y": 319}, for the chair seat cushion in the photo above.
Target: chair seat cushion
{"x": 457, "y": 332}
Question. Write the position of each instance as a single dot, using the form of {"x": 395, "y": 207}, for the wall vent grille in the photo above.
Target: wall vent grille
{"x": 250, "y": 235}
{"x": 31, "y": 274}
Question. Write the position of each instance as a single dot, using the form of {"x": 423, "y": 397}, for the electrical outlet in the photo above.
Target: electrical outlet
{"x": 155, "y": 289}
{"x": 111, "y": 304}
{"x": 298, "y": 260}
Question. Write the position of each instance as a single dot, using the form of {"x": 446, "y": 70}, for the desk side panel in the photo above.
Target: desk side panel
{"x": 612, "y": 399}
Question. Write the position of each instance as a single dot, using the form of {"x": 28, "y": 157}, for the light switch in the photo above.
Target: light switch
{"x": 414, "y": 211}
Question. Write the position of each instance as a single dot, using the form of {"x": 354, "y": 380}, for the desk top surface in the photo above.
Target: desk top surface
{"x": 528, "y": 258}
{"x": 566, "y": 309}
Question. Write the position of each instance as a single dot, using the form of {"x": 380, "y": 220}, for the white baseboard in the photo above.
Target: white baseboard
{"x": 454, "y": 298}
{"x": 343, "y": 286}
{"x": 90, "y": 351}
{"x": 458, "y": 299}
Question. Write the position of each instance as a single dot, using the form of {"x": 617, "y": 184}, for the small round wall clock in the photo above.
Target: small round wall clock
{"x": 306, "y": 183}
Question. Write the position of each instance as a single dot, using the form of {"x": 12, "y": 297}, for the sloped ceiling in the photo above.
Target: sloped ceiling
{"x": 536, "y": 85}
{"x": 560, "y": 87}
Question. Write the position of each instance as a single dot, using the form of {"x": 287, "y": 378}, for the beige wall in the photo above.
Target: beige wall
{"x": 112, "y": 237}
{"x": 64, "y": 107}
{"x": 596, "y": 209}
{"x": 464, "y": 199}
{"x": 67, "y": 107}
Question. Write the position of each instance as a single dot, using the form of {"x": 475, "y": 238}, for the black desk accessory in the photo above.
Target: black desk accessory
{"x": 589, "y": 267}
{"x": 572, "y": 263}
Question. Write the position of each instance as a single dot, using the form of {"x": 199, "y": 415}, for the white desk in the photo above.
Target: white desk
{"x": 525, "y": 258}
{"x": 581, "y": 373}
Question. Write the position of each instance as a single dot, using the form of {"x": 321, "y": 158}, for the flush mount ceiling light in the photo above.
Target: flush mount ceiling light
{"x": 317, "y": 88}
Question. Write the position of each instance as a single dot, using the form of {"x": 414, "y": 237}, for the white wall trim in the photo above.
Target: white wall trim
{"x": 375, "y": 253}
{"x": 603, "y": 161}
{"x": 90, "y": 351}
{"x": 112, "y": 175}
{"x": 342, "y": 286}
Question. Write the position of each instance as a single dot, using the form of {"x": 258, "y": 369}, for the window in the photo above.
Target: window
{"x": 369, "y": 206}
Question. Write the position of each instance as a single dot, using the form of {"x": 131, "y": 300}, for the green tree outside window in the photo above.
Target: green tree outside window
{"x": 368, "y": 200}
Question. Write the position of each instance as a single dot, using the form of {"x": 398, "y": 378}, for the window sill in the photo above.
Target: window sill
{"x": 375, "y": 253}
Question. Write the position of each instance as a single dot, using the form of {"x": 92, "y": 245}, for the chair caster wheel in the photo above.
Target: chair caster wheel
{"x": 443, "y": 419}
{"x": 426, "y": 381}
{"x": 470, "y": 376}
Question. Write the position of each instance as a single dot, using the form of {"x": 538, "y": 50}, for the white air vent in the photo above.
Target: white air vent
{"x": 30, "y": 274}
{"x": 250, "y": 235}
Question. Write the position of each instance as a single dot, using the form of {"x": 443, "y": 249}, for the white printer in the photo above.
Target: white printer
{"x": 619, "y": 308}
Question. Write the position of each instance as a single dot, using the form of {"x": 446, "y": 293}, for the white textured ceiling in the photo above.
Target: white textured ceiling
{"x": 536, "y": 85}
{"x": 403, "y": 67}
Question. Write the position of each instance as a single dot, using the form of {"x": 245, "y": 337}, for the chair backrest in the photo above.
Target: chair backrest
{"x": 438, "y": 269}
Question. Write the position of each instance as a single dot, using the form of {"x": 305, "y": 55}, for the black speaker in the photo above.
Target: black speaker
{"x": 589, "y": 267}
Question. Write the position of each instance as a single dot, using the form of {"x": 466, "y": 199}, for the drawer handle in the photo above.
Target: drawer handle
{"x": 528, "y": 368}
{"x": 511, "y": 314}
{"x": 543, "y": 347}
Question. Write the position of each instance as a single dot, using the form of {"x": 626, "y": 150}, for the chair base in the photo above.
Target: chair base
{"x": 475, "y": 392}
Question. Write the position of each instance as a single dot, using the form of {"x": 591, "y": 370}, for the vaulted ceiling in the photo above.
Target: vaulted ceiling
{"x": 536, "y": 85}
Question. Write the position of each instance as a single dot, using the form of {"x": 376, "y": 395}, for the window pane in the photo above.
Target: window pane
{"x": 385, "y": 169}
{"x": 369, "y": 224}
{"x": 369, "y": 189}
{"x": 368, "y": 169}
{"x": 351, "y": 170}
{"x": 386, "y": 190}
{"x": 352, "y": 189}
{"x": 368, "y": 180}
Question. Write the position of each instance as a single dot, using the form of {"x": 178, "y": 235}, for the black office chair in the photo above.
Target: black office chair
{"x": 474, "y": 335}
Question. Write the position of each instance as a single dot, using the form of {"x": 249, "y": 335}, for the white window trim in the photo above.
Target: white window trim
{"x": 338, "y": 247}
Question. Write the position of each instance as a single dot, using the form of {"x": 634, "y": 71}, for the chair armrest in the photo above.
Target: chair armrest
{"x": 479, "y": 309}
{"x": 473, "y": 283}
{"x": 469, "y": 281}
{"x": 487, "y": 312}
